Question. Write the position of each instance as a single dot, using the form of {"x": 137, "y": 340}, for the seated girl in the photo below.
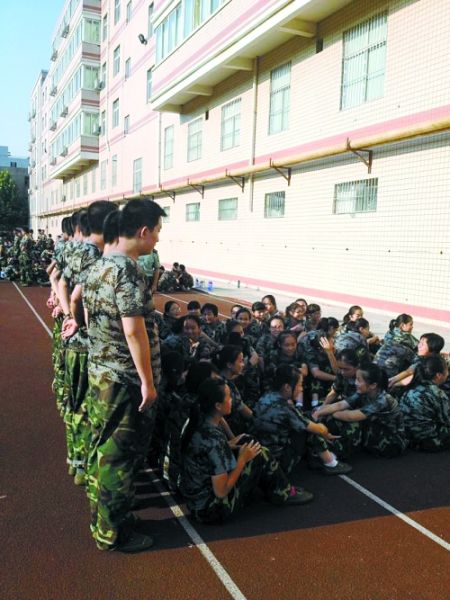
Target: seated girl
{"x": 266, "y": 343}
{"x": 188, "y": 339}
{"x": 355, "y": 338}
{"x": 425, "y": 407}
{"x": 430, "y": 344}
{"x": 215, "y": 481}
{"x": 296, "y": 317}
{"x": 285, "y": 352}
{"x": 371, "y": 419}
{"x": 398, "y": 349}
{"x": 271, "y": 305}
{"x": 344, "y": 386}
{"x": 283, "y": 429}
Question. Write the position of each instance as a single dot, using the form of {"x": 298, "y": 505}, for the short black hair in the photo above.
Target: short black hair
{"x": 435, "y": 342}
{"x": 139, "y": 213}
{"x": 194, "y": 305}
{"x": 97, "y": 212}
{"x": 211, "y": 307}
{"x": 84, "y": 223}
{"x": 258, "y": 306}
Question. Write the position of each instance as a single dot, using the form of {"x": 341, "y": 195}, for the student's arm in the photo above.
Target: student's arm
{"x": 325, "y": 343}
{"x": 137, "y": 340}
{"x": 76, "y": 305}
{"x": 63, "y": 295}
{"x": 331, "y": 397}
{"x": 224, "y": 483}
{"x": 154, "y": 284}
{"x": 350, "y": 415}
{"x": 400, "y": 376}
{"x": 319, "y": 374}
{"x": 226, "y": 429}
{"x": 330, "y": 409}
{"x": 245, "y": 411}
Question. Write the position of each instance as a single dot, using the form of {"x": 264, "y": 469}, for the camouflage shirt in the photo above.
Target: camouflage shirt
{"x": 384, "y": 410}
{"x": 353, "y": 340}
{"x": 344, "y": 387}
{"x": 208, "y": 454}
{"x": 275, "y": 421}
{"x": 424, "y": 408}
{"x": 115, "y": 288}
{"x": 59, "y": 251}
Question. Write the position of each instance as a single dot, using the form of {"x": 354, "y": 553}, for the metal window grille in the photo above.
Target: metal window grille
{"x": 364, "y": 61}
{"x": 274, "y": 205}
{"x": 194, "y": 140}
{"x": 228, "y": 208}
{"x": 193, "y": 211}
{"x": 355, "y": 196}
{"x": 230, "y": 125}
{"x": 280, "y": 87}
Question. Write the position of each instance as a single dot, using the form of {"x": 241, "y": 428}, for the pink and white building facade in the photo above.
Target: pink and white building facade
{"x": 296, "y": 145}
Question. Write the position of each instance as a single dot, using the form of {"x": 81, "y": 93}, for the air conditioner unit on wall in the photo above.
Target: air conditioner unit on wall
{"x": 64, "y": 112}
{"x": 53, "y": 126}
{"x": 65, "y": 31}
{"x": 64, "y": 151}
{"x": 53, "y": 91}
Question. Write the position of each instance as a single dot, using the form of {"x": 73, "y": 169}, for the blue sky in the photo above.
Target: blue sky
{"x": 26, "y": 28}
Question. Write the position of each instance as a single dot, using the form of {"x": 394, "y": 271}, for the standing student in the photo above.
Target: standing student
{"x": 120, "y": 376}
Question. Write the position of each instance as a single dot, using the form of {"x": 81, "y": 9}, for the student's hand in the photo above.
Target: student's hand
{"x": 391, "y": 382}
{"x": 57, "y": 312}
{"x": 149, "y": 395}
{"x": 254, "y": 359}
{"x": 69, "y": 328}
{"x": 249, "y": 451}
{"x": 326, "y": 344}
{"x": 234, "y": 442}
{"x": 50, "y": 302}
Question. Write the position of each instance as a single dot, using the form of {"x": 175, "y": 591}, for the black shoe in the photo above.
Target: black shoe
{"x": 300, "y": 496}
{"x": 137, "y": 542}
{"x": 340, "y": 469}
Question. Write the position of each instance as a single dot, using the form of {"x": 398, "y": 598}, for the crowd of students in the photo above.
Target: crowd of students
{"x": 24, "y": 257}
{"x": 218, "y": 407}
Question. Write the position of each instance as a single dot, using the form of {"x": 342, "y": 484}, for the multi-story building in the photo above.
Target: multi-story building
{"x": 296, "y": 145}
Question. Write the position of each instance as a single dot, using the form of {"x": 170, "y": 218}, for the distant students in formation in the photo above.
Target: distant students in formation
{"x": 219, "y": 407}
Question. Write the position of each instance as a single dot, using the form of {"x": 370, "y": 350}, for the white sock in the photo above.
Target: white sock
{"x": 333, "y": 462}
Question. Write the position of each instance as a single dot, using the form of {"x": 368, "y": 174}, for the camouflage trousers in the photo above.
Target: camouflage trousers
{"x": 58, "y": 364}
{"x": 292, "y": 452}
{"x": 26, "y": 270}
{"x": 120, "y": 440}
{"x": 434, "y": 443}
{"x": 263, "y": 472}
{"x": 78, "y": 432}
{"x": 350, "y": 440}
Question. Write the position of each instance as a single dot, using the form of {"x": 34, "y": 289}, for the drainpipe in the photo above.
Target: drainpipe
{"x": 253, "y": 139}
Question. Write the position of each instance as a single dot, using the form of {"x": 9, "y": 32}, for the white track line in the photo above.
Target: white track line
{"x": 215, "y": 565}
{"x": 33, "y": 310}
{"x": 429, "y": 534}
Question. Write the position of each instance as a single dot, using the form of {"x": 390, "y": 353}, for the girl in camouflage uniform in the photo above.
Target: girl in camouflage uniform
{"x": 380, "y": 421}
{"x": 425, "y": 407}
{"x": 214, "y": 482}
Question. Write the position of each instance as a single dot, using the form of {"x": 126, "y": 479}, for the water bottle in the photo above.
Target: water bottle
{"x": 315, "y": 401}
{"x": 210, "y": 286}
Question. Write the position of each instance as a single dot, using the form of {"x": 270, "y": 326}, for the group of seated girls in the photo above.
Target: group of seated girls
{"x": 244, "y": 399}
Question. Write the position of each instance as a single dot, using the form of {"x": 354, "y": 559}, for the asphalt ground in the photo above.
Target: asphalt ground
{"x": 381, "y": 533}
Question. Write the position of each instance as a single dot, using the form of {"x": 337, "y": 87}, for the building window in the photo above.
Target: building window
{"x": 103, "y": 123}
{"x": 228, "y": 209}
{"x": 103, "y": 175}
{"x": 355, "y": 196}
{"x": 168, "y": 146}
{"x": 115, "y": 113}
{"x": 280, "y": 87}
{"x": 114, "y": 170}
{"x": 274, "y": 205}
{"x": 116, "y": 60}
{"x": 104, "y": 74}
{"x": 364, "y": 62}
{"x": 116, "y": 11}
{"x": 149, "y": 84}
{"x": 194, "y": 142}
{"x": 127, "y": 68}
{"x": 105, "y": 28}
{"x": 149, "y": 21}
{"x": 230, "y": 125}
{"x": 193, "y": 211}
{"x": 166, "y": 219}
{"x": 85, "y": 185}
{"x": 137, "y": 176}
{"x": 169, "y": 33}
{"x": 129, "y": 11}
{"x": 126, "y": 124}
{"x": 77, "y": 187}
{"x": 91, "y": 31}
{"x": 94, "y": 179}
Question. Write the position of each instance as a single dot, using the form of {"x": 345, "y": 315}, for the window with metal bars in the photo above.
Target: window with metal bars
{"x": 228, "y": 208}
{"x": 364, "y": 62}
{"x": 194, "y": 142}
{"x": 274, "y": 205}
{"x": 230, "y": 125}
{"x": 355, "y": 196}
{"x": 193, "y": 211}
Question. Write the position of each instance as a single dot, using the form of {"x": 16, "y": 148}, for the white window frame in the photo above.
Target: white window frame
{"x": 227, "y": 209}
{"x": 193, "y": 211}
{"x": 230, "y": 126}
{"x": 194, "y": 140}
{"x": 126, "y": 124}
{"x": 127, "y": 68}
{"x": 114, "y": 165}
{"x": 280, "y": 88}
{"x": 103, "y": 167}
{"x": 137, "y": 176}
{"x": 169, "y": 136}
{"x": 115, "y": 113}
{"x": 352, "y": 197}
{"x": 129, "y": 11}
{"x": 117, "y": 7}
{"x": 364, "y": 62}
{"x": 116, "y": 60}
{"x": 274, "y": 205}
{"x": 149, "y": 85}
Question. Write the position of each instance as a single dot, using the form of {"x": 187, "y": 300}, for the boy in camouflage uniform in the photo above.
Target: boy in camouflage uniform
{"x": 25, "y": 259}
{"x": 122, "y": 386}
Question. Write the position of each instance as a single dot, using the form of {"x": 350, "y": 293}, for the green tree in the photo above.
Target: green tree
{"x": 14, "y": 210}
